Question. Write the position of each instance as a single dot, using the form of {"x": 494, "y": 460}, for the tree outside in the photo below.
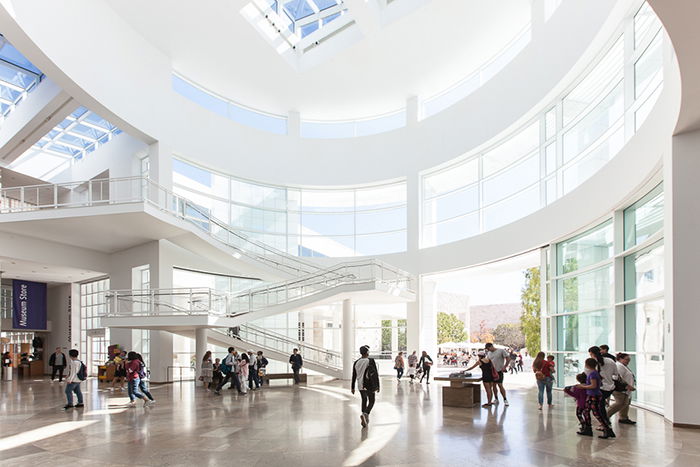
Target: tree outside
{"x": 484, "y": 335}
{"x": 450, "y": 328}
{"x": 530, "y": 319}
{"x": 511, "y": 335}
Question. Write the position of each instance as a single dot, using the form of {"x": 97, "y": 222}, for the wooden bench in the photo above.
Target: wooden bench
{"x": 267, "y": 377}
{"x": 462, "y": 392}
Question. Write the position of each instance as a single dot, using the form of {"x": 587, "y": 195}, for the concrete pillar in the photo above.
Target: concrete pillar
{"x": 428, "y": 320}
{"x": 348, "y": 338}
{"x": 682, "y": 321}
{"x": 413, "y": 322}
{"x": 200, "y": 346}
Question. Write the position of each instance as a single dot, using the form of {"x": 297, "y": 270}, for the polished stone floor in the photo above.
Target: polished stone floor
{"x": 316, "y": 425}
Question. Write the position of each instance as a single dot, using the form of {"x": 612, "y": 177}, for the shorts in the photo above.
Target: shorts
{"x": 120, "y": 374}
{"x": 500, "y": 378}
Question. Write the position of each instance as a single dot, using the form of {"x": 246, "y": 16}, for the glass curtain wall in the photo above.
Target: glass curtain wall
{"x": 94, "y": 339}
{"x": 570, "y": 140}
{"x": 606, "y": 286}
{"x": 302, "y": 221}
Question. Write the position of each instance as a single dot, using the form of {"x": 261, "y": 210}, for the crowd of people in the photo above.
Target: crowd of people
{"x": 463, "y": 358}
{"x": 242, "y": 371}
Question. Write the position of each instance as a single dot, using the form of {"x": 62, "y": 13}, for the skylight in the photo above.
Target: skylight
{"x": 79, "y": 134}
{"x": 307, "y": 16}
{"x": 18, "y": 76}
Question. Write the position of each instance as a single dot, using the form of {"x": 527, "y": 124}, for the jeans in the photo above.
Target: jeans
{"x": 134, "y": 389}
{"x": 367, "y": 401}
{"x": 399, "y": 373}
{"x": 253, "y": 378}
{"x": 143, "y": 386}
{"x": 58, "y": 369}
{"x": 296, "y": 371}
{"x": 73, "y": 388}
{"x": 543, "y": 384}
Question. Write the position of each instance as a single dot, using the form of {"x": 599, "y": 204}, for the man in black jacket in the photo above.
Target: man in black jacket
{"x": 364, "y": 371}
{"x": 58, "y": 363}
{"x": 296, "y": 362}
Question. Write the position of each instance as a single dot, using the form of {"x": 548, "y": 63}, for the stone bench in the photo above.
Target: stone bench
{"x": 267, "y": 377}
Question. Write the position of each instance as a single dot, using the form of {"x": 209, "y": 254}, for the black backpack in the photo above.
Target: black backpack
{"x": 370, "y": 379}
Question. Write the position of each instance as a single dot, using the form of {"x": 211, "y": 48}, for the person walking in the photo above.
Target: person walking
{"x": 487, "y": 376}
{"x": 228, "y": 369}
{"x": 119, "y": 371}
{"x": 607, "y": 368}
{"x": 365, "y": 373}
{"x": 77, "y": 373}
{"x": 207, "y": 371}
{"x": 425, "y": 363}
{"x": 623, "y": 390}
{"x": 133, "y": 375}
{"x": 412, "y": 364}
{"x": 143, "y": 379}
{"x": 243, "y": 372}
{"x": 594, "y": 396}
{"x": 499, "y": 359}
{"x": 253, "y": 367}
{"x": 543, "y": 375}
{"x": 58, "y": 363}
{"x": 297, "y": 363}
{"x": 262, "y": 366}
{"x": 399, "y": 366}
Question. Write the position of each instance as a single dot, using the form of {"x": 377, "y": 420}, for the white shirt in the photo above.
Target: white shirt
{"x": 625, "y": 374}
{"x": 59, "y": 360}
{"x": 498, "y": 358}
{"x": 607, "y": 372}
{"x": 73, "y": 369}
{"x": 360, "y": 368}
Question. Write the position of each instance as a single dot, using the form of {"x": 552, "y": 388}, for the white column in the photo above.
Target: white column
{"x": 412, "y": 111}
{"x": 348, "y": 338}
{"x": 200, "y": 346}
{"x": 428, "y": 328}
{"x": 413, "y": 322}
{"x": 294, "y": 124}
{"x": 682, "y": 320}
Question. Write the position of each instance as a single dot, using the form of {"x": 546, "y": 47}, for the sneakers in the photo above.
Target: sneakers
{"x": 505, "y": 402}
{"x": 147, "y": 402}
{"x": 67, "y": 406}
{"x": 131, "y": 404}
{"x": 607, "y": 433}
{"x": 79, "y": 404}
{"x": 496, "y": 400}
{"x": 627, "y": 421}
{"x": 585, "y": 431}
{"x": 363, "y": 420}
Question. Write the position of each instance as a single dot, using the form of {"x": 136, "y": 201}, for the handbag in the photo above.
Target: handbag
{"x": 539, "y": 375}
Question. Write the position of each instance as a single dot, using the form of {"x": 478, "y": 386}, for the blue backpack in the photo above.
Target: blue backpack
{"x": 224, "y": 368}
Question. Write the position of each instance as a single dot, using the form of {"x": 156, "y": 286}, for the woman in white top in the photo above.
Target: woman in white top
{"x": 623, "y": 399}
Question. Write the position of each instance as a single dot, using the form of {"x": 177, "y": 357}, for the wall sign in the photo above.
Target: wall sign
{"x": 28, "y": 305}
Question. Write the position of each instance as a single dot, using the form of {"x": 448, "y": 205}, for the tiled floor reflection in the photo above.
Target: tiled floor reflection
{"x": 316, "y": 425}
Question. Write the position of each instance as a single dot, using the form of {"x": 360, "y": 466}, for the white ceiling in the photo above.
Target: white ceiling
{"x": 13, "y": 268}
{"x": 422, "y": 53}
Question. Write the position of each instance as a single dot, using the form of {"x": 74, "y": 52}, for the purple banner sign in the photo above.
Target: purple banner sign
{"x": 28, "y": 305}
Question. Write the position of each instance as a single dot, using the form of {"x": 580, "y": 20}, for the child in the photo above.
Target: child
{"x": 593, "y": 398}
{"x": 73, "y": 381}
{"x": 580, "y": 396}
{"x": 552, "y": 367}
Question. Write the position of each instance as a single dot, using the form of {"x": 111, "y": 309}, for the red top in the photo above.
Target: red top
{"x": 546, "y": 368}
{"x": 132, "y": 369}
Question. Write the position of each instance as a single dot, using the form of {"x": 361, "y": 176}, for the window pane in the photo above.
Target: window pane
{"x": 583, "y": 330}
{"x": 378, "y": 244}
{"x": 512, "y": 149}
{"x": 589, "y": 248}
{"x": 512, "y": 180}
{"x": 512, "y": 209}
{"x": 587, "y": 291}
{"x": 380, "y": 221}
{"x": 451, "y": 178}
{"x": 644, "y": 272}
{"x": 451, "y": 230}
{"x": 644, "y": 218}
{"x": 649, "y": 374}
{"x": 585, "y": 167}
{"x": 648, "y": 71}
{"x": 451, "y": 205}
{"x": 644, "y": 327}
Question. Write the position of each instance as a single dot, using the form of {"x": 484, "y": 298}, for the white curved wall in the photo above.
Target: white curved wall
{"x": 131, "y": 86}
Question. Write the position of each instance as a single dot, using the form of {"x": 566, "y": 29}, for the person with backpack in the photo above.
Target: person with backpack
{"x": 133, "y": 367}
{"x": 143, "y": 384}
{"x": 77, "y": 373}
{"x": 365, "y": 373}
{"x": 228, "y": 368}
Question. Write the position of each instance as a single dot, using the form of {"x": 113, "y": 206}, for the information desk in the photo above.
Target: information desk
{"x": 462, "y": 392}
